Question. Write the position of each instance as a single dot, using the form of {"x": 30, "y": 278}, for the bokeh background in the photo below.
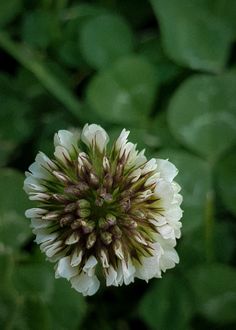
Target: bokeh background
{"x": 165, "y": 69}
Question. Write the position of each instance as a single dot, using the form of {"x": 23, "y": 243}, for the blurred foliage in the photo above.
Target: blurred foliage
{"x": 166, "y": 71}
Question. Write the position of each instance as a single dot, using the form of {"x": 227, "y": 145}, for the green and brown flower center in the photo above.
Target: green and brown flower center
{"x": 107, "y": 212}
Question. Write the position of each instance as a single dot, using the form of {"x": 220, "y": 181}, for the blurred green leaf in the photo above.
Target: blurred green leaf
{"x": 167, "y": 304}
{"x": 33, "y": 315}
{"x": 14, "y": 228}
{"x": 202, "y": 114}
{"x": 70, "y": 302}
{"x": 224, "y": 232}
{"x": 14, "y": 123}
{"x": 6, "y": 268}
{"x": 161, "y": 133}
{"x": 151, "y": 48}
{"x": 35, "y": 280}
{"x": 8, "y": 308}
{"x": 194, "y": 179}
{"x": 29, "y": 60}
{"x": 226, "y": 179}
{"x": 13, "y": 198}
{"x": 107, "y": 36}
{"x": 40, "y": 28}
{"x": 8, "y": 10}
{"x": 58, "y": 302}
{"x": 215, "y": 291}
{"x": 125, "y": 92}
{"x": 193, "y": 32}
{"x": 83, "y": 10}
{"x": 9, "y": 298}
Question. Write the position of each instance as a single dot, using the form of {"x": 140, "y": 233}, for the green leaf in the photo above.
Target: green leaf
{"x": 104, "y": 39}
{"x": 13, "y": 198}
{"x": 161, "y": 133}
{"x": 9, "y": 298}
{"x": 124, "y": 93}
{"x": 40, "y": 28}
{"x": 8, "y": 10}
{"x": 202, "y": 114}
{"x": 226, "y": 180}
{"x": 14, "y": 228}
{"x": 33, "y": 315}
{"x": 214, "y": 287}
{"x": 194, "y": 178}
{"x": 35, "y": 280}
{"x": 14, "y": 124}
{"x": 8, "y": 307}
{"x": 70, "y": 302}
{"x": 167, "y": 303}
{"x": 150, "y": 48}
{"x": 195, "y": 33}
{"x": 26, "y": 57}
{"x": 6, "y": 269}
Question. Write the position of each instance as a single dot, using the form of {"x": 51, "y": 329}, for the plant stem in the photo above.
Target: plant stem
{"x": 26, "y": 57}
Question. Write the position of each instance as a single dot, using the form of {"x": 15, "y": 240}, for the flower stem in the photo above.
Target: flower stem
{"x": 27, "y": 58}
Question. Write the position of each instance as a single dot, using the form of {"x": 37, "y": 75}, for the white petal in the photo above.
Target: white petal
{"x": 89, "y": 267}
{"x": 38, "y": 171}
{"x": 140, "y": 158}
{"x": 76, "y": 257}
{"x": 152, "y": 179}
{"x": 104, "y": 259}
{"x": 120, "y": 276}
{"x": 176, "y": 225}
{"x": 118, "y": 250}
{"x": 44, "y": 161}
{"x": 135, "y": 175}
{"x": 177, "y": 199}
{"x": 94, "y": 135}
{"x": 158, "y": 219}
{"x": 128, "y": 271}
{"x": 164, "y": 191}
{"x": 44, "y": 234}
{"x": 150, "y": 265}
{"x": 122, "y": 140}
{"x": 111, "y": 277}
{"x": 38, "y": 196}
{"x": 52, "y": 249}
{"x": 167, "y": 169}
{"x": 87, "y": 285}
{"x": 32, "y": 184}
{"x": 72, "y": 239}
{"x": 62, "y": 154}
{"x": 35, "y": 213}
{"x": 150, "y": 166}
{"x": 67, "y": 140}
{"x": 169, "y": 259}
{"x": 173, "y": 213}
{"x": 176, "y": 187}
{"x": 144, "y": 195}
{"x": 38, "y": 223}
{"x": 169, "y": 256}
{"x": 64, "y": 269}
{"x": 167, "y": 232}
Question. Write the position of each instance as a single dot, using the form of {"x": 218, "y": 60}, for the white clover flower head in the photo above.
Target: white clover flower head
{"x": 104, "y": 213}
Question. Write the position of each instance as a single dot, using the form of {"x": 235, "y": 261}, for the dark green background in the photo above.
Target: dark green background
{"x": 165, "y": 69}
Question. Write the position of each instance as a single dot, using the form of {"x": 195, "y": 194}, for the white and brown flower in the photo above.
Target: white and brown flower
{"x": 104, "y": 209}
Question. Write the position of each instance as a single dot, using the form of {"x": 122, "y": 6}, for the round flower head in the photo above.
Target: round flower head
{"x": 104, "y": 214}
